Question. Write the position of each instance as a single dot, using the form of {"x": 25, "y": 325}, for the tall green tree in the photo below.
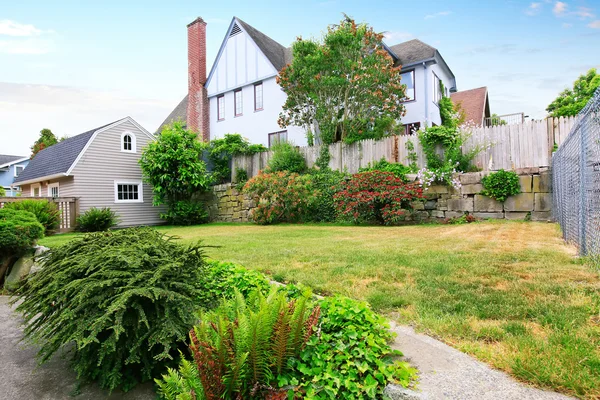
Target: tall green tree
{"x": 344, "y": 87}
{"x": 571, "y": 101}
{"x": 46, "y": 139}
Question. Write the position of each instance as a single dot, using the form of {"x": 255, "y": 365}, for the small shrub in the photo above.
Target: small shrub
{"x": 46, "y": 212}
{"x": 325, "y": 183}
{"x": 244, "y": 348}
{"x": 322, "y": 162}
{"x": 350, "y": 356}
{"x": 124, "y": 300}
{"x": 463, "y": 219}
{"x": 2, "y": 192}
{"x": 383, "y": 165}
{"x": 376, "y": 197}
{"x": 19, "y": 229}
{"x": 222, "y": 150}
{"x": 96, "y": 220}
{"x": 186, "y": 212}
{"x": 501, "y": 184}
{"x": 286, "y": 157}
{"x": 282, "y": 197}
{"x": 241, "y": 177}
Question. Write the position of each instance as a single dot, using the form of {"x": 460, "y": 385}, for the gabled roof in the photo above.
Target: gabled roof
{"x": 413, "y": 51}
{"x": 178, "y": 114}
{"x": 277, "y": 54}
{"x": 59, "y": 159}
{"x": 6, "y": 160}
{"x": 474, "y": 103}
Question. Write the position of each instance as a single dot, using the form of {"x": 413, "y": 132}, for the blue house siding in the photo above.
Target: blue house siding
{"x": 7, "y": 177}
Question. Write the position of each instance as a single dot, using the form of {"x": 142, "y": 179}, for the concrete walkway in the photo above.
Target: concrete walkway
{"x": 23, "y": 380}
{"x": 446, "y": 373}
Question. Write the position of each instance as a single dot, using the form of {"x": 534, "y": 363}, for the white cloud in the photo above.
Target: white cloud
{"x": 566, "y": 25}
{"x": 559, "y": 8}
{"x": 26, "y": 46}
{"x": 439, "y": 14}
{"x": 534, "y": 9}
{"x": 584, "y": 13}
{"x": 12, "y": 28}
{"x": 397, "y": 37}
{"x": 594, "y": 24}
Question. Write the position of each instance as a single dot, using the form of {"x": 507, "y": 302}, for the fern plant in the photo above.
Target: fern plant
{"x": 124, "y": 299}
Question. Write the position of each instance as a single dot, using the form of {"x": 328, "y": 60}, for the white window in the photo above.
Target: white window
{"x": 128, "y": 142}
{"x": 277, "y": 137}
{"x": 408, "y": 79}
{"x": 128, "y": 192}
{"x": 237, "y": 102}
{"x": 18, "y": 170}
{"x": 438, "y": 89}
{"x": 53, "y": 190}
{"x": 36, "y": 190}
{"x": 258, "y": 97}
{"x": 221, "y": 107}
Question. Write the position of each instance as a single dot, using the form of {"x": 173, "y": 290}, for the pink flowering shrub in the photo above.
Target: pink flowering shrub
{"x": 281, "y": 197}
{"x": 376, "y": 197}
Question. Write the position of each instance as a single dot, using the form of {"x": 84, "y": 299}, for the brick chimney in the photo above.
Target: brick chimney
{"x": 198, "y": 107}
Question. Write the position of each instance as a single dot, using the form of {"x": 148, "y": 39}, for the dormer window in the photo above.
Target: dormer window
{"x": 128, "y": 142}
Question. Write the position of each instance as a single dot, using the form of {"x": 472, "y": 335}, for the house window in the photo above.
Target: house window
{"x": 221, "y": 107}
{"x": 411, "y": 129}
{"x": 438, "y": 89}
{"x": 237, "y": 102}
{"x": 408, "y": 79}
{"x": 36, "y": 190}
{"x": 128, "y": 142}
{"x": 277, "y": 137}
{"x": 128, "y": 192}
{"x": 53, "y": 190}
{"x": 18, "y": 170}
{"x": 258, "y": 97}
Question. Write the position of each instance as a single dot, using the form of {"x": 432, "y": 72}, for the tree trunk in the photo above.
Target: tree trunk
{"x": 5, "y": 263}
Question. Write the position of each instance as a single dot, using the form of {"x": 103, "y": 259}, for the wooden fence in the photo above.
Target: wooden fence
{"x": 503, "y": 147}
{"x": 68, "y": 207}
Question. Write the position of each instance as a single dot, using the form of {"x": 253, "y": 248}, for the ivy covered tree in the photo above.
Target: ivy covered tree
{"x": 571, "y": 101}
{"x": 173, "y": 166}
{"x": 344, "y": 87}
{"x": 46, "y": 139}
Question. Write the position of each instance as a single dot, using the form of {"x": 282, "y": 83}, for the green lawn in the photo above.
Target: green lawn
{"x": 510, "y": 293}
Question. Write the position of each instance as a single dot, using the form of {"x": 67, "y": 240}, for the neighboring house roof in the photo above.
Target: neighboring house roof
{"x": 413, "y": 51}
{"x": 59, "y": 159}
{"x": 6, "y": 160}
{"x": 178, "y": 114}
{"x": 474, "y": 103}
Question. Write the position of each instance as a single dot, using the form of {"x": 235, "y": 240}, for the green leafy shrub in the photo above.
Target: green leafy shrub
{"x": 222, "y": 280}
{"x": 244, "y": 348}
{"x": 19, "y": 229}
{"x": 325, "y": 183}
{"x": 97, "y": 220}
{"x": 350, "y": 357}
{"x": 322, "y": 162}
{"x": 376, "y": 197}
{"x": 124, "y": 300}
{"x": 383, "y": 165}
{"x": 186, "y": 212}
{"x": 46, "y": 212}
{"x": 463, "y": 219}
{"x": 282, "y": 197}
{"x": 241, "y": 177}
{"x": 286, "y": 157}
{"x": 501, "y": 184}
{"x": 2, "y": 192}
{"x": 221, "y": 152}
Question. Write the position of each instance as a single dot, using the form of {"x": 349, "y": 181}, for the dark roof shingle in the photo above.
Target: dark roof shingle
{"x": 5, "y": 159}
{"x": 178, "y": 114}
{"x": 413, "y": 51}
{"x": 275, "y": 52}
{"x": 58, "y": 158}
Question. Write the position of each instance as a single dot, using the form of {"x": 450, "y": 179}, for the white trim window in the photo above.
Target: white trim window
{"x": 258, "y": 96}
{"x": 128, "y": 192}
{"x": 438, "y": 94}
{"x": 128, "y": 142}
{"x": 18, "y": 170}
{"x": 220, "y": 107}
{"x": 53, "y": 190}
{"x": 408, "y": 80}
{"x": 36, "y": 190}
{"x": 238, "y": 108}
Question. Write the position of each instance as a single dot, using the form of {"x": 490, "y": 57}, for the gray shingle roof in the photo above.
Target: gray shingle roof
{"x": 275, "y": 52}
{"x": 178, "y": 114}
{"x": 57, "y": 159}
{"x": 5, "y": 159}
{"x": 413, "y": 51}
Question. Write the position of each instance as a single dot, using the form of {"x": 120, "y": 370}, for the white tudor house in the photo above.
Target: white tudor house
{"x": 240, "y": 93}
{"x": 100, "y": 167}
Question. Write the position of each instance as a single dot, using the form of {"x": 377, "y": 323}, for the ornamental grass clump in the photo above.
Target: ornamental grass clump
{"x": 124, "y": 300}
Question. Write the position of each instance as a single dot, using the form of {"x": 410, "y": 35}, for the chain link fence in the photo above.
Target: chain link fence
{"x": 576, "y": 182}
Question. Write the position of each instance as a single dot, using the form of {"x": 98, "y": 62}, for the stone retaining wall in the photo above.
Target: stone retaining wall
{"x": 227, "y": 204}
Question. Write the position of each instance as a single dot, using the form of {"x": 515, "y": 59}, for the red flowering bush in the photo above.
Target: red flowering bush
{"x": 376, "y": 197}
{"x": 281, "y": 197}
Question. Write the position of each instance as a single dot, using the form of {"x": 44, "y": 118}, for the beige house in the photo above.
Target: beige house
{"x": 99, "y": 167}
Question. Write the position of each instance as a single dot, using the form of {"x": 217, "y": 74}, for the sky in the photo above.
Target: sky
{"x": 74, "y": 65}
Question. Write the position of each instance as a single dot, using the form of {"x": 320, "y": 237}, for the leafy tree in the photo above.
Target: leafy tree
{"x": 172, "y": 165}
{"x": 571, "y": 101}
{"x": 342, "y": 87}
{"x": 46, "y": 139}
{"x": 221, "y": 151}
{"x": 496, "y": 120}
